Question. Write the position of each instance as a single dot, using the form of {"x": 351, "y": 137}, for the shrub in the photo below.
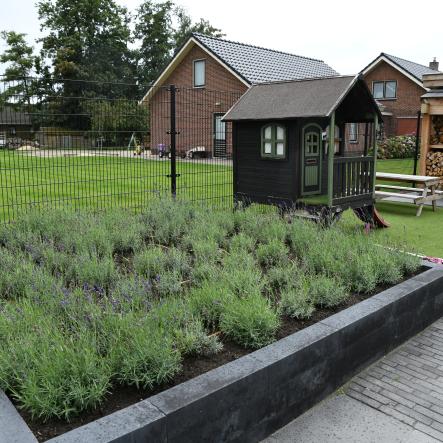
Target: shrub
{"x": 272, "y": 254}
{"x": 282, "y": 277}
{"x": 242, "y": 243}
{"x": 242, "y": 279}
{"x": 202, "y": 272}
{"x": 168, "y": 283}
{"x": 150, "y": 262}
{"x": 49, "y": 373}
{"x": 326, "y": 291}
{"x": 296, "y": 302}
{"x": 177, "y": 261}
{"x": 205, "y": 251}
{"x": 21, "y": 278}
{"x": 402, "y": 146}
{"x": 91, "y": 270}
{"x": 249, "y": 321}
{"x": 176, "y": 317}
{"x": 142, "y": 353}
{"x": 208, "y": 302}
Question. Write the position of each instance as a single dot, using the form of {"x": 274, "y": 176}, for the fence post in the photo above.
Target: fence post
{"x": 173, "y": 135}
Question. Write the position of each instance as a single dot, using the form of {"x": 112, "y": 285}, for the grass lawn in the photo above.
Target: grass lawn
{"x": 92, "y": 302}
{"x": 422, "y": 235}
{"x": 102, "y": 181}
{"x": 398, "y": 166}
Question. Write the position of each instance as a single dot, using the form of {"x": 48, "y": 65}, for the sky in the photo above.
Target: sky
{"x": 346, "y": 34}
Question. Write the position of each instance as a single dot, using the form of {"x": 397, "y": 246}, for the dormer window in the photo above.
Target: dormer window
{"x": 199, "y": 74}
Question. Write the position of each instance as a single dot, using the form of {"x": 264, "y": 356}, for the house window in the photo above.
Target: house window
{"x": 386, "y": 89}
{"x": 199, "y": 73}
{"x": 391, "y": 89}
{"x": 353, "y": 132}
{"x": 273, "y": 141}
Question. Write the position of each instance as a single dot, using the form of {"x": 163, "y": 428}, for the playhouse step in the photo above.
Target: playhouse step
{"x": 301, "y": 213}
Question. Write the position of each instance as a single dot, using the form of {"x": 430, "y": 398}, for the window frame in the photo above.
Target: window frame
{"x": 382, "y": 89}
{"x": 273, "y": 140}
{"x": 200, "y": 60}
{"x": 353, "y": 140}
{"x": 384, "y": 82}
{"x": 395, "y": 95}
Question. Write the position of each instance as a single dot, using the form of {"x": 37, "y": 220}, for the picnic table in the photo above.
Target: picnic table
{"x": 426, "y": 192}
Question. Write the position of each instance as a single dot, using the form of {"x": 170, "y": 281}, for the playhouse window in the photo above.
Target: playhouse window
{"x": 353, "y": 132}
{"x": 273, "y": 143}
{"x": 199, "y": 73}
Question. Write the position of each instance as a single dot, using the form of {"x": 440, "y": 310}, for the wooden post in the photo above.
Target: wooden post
{"x": 374, "y": 149}
{"x": 331, "y": 158}
{"x": 424, "y": 140}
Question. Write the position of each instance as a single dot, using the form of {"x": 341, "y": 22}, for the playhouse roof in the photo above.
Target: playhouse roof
{"x": 317, "y": 97}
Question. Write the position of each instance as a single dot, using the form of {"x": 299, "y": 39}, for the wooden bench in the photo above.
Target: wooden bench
{"x": 419, "y": 196}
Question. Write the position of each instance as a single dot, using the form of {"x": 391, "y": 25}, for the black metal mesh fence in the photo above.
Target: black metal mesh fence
{"x": 84, "y": 144}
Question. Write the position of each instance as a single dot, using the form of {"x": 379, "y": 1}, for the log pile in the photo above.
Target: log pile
{"x": 434, "y": 163}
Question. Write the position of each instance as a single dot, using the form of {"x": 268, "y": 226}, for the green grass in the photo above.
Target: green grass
{"x": 398, "y": 166}
{"x": 94, "y": 301}
{"x": 102, "y": 181}
{"x": 421, "y": 235}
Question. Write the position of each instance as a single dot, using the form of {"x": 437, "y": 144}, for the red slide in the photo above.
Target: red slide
{"x": 369, "y": 214}
{"x": 379, "y": 221}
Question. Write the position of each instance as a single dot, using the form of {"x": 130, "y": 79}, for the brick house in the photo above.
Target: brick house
{"x": 397, "y": 85}
{"x": 211, "y": 74}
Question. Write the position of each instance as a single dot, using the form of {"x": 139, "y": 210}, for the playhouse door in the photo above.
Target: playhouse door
{"x": 219, "y": 136}
{"x": 311, "y": 160}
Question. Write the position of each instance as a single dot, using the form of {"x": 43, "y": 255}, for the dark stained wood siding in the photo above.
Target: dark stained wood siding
{"x": 261, "y": 179}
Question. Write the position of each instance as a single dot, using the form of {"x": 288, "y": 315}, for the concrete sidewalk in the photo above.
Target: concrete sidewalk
{"x": 340, "y": 418}
{"x": 398, "y": 399}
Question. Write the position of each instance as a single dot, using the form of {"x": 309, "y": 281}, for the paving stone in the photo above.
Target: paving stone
{"x": 411, "y": 378}
{"x": 429, "y": 431}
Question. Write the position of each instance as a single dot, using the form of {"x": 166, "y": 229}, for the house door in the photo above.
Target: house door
{"x": 311, "y": 159}
{"x": 2, "y": 139}
{"x": 219, "y": 136}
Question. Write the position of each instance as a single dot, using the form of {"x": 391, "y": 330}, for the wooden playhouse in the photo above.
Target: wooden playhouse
{"x": 282, "y": 134}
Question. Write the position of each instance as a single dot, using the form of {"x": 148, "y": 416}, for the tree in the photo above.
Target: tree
{"x": 20, "y": 62}
{"x": 87, "y": 40}
{"x": 161, "y": 28}
{"x": 186, "y": 28}
{"x": 153, "y": 29}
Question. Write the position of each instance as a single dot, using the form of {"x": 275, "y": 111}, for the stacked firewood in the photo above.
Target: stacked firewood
{"x": 434, "y": 163}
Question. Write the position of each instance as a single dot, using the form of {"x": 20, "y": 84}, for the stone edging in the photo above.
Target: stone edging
{"x": 249, "y": 398}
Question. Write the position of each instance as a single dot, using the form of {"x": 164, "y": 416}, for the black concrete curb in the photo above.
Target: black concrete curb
{"x": 249, "y": 398}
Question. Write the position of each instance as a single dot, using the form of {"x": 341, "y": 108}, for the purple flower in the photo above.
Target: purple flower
{"x": 64, "y": 303}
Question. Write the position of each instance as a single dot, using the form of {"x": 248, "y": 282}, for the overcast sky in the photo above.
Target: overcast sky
{"x": 345, "y": 34}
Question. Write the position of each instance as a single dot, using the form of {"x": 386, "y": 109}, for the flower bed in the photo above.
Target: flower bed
{"x": 93, "y": 303}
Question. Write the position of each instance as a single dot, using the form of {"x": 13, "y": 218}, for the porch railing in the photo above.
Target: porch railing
{"x": 353, "y": 179}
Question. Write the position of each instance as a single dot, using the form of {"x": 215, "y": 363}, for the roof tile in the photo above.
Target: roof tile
{"x": 260, "y": 65}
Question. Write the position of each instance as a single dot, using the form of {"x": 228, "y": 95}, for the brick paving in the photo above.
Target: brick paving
{"x": 407, "y": 384}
